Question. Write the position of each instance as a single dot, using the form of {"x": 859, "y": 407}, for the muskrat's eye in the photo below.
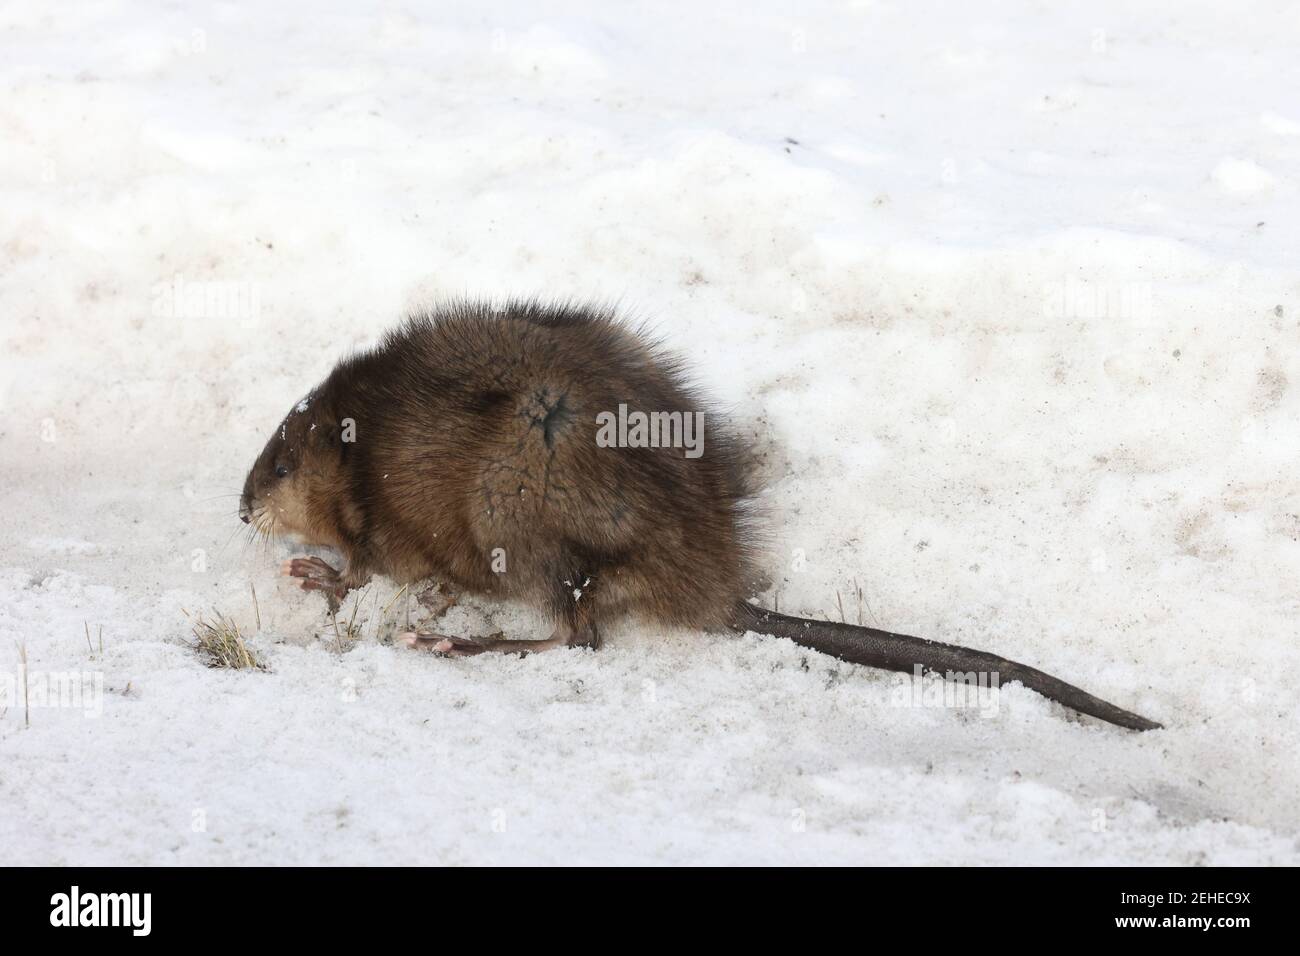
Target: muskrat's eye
{"x": 281, "y": 471}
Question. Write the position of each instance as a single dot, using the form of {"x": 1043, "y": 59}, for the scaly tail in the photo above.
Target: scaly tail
{"x": 899, "y": 652}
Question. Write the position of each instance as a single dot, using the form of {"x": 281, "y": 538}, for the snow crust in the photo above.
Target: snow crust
{"x": 1008, "y": 299}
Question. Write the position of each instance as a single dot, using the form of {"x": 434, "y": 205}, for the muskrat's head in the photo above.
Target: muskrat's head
{"x": 296, "y": 484}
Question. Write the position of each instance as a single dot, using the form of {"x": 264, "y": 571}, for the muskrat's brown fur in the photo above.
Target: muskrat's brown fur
{"x": 473, "y": 461}
{"x": 463, "y": 449}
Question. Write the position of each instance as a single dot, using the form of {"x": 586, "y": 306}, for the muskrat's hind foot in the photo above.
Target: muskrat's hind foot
{"x": 446, "y": 645}
{"x": 576, "y": 628}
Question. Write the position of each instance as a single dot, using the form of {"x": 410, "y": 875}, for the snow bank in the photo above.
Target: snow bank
{"x": 1009, "y": 302}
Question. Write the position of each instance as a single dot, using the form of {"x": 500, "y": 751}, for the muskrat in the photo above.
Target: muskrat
{"x": 475, "y": 446}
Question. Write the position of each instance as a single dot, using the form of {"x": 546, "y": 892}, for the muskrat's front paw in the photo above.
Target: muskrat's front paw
{"x": 447, "y": 645}
{"x": 315, "y": 575}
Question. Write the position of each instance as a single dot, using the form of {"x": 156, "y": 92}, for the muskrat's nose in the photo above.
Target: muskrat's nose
{"x": 244, "y": 518}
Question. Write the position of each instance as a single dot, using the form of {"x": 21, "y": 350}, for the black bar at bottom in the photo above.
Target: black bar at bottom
{"x": 336, "y": 906}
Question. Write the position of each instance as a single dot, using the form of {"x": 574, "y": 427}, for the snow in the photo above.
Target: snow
{"x": 1243, "y": 176}
{"x": 1007, "y": 299}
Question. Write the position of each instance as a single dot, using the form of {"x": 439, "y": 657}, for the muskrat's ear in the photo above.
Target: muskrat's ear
{"x": 330, "y": 435}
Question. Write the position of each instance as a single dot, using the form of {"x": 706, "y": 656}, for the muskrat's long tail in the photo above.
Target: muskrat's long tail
{"x": 899, "y": 652}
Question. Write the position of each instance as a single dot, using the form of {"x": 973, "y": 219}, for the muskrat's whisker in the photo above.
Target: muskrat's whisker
{"x": 229, "y": 538}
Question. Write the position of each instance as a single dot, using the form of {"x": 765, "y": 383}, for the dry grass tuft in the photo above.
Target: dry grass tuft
{"x": 220, "y": 642}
